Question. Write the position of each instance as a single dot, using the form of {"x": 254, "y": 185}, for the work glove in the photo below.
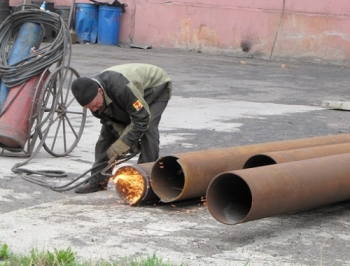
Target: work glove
{"x": 117, "y": 150}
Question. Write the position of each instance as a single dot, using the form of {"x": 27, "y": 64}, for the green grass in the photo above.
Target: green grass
{"x": 68, "y": 258}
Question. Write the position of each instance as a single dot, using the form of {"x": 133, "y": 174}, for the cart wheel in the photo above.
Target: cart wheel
{"x": 34, "y": 126}
{"x": 61, "y": 118}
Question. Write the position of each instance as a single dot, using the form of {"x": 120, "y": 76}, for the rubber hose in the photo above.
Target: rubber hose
{"x": 35, "y": 63}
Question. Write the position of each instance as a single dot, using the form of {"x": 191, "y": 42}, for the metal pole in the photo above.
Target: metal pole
{"x": 250, "y": 194}
{"x": 71, "y": 14}
{"x": 187, "y": 175}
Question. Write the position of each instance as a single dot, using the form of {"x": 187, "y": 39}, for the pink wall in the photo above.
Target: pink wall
{"x": 269, "y": 29}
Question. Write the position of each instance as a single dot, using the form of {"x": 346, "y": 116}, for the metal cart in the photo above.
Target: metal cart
{"x": 53, "y": 119}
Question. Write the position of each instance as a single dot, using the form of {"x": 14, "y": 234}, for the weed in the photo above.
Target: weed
{"x": 68, "y": 258}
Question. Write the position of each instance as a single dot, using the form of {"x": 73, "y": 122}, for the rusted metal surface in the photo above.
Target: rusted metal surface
{"x": 147, "y": 195}
{"x": 250, "y": 194}
{"x": 187, "y": 175}
{"x": 296, "y": 155}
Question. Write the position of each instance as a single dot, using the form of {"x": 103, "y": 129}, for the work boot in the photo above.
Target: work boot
{"x": 91, "y": 187}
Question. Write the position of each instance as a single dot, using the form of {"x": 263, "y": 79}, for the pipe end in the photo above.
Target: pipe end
{"x": 258, "y": 160}
{"x": 168, "y": 179}
{"x": 130, "y": 185}
{"x": 228, "y": 198}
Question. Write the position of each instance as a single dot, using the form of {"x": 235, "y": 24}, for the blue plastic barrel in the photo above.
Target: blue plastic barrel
{"x": 108, "y": 25}
{"x": 86, "y": 23}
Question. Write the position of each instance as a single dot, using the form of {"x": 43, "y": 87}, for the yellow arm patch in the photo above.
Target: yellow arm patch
{"x": 137, "y": 105}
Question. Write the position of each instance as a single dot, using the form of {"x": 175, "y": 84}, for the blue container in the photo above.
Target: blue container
{"x": 108, "y": 25}
{"x": 86, "y": 19}
{"x": 29, "y": 35}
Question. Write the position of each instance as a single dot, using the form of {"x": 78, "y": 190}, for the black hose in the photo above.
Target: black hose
{"x": 68, "y": 186}
{"x": 73, "y": 184}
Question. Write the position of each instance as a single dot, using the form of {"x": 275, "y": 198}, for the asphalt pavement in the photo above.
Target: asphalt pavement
{"x": 218, "y": 101}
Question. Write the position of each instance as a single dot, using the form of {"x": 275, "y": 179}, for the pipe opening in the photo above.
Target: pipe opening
{"x": 228, "y": 198}
{"x": 131, "y": 184}
{"x": 258, "y": 160}
{"x": 167, "y": 178}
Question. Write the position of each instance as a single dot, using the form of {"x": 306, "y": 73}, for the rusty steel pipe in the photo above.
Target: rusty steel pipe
{"x": 147, "y": 195}
{"x": 250, "y": 194}
{"x": 187, "y": 175}
{"x": 276, "y": 157}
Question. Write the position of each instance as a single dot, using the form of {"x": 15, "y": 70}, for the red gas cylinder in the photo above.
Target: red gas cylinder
{"x": 16, "y": 117}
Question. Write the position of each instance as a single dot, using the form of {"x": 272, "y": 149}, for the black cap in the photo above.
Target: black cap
{"x": 84, "y": 90}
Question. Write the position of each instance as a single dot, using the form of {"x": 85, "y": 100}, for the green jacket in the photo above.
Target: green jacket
{"x": 129, "y": 89}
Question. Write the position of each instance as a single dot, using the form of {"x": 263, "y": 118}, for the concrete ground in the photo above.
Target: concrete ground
{"x": 218, "y": 101}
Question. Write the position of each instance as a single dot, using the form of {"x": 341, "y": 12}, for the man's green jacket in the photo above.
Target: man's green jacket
{"x": 129, "y": 89}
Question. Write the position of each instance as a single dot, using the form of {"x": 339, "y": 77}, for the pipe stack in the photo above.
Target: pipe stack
{"x": 188, "y": 175}
{"x": 251, "y": 182}
{"x": 245, "y": 195}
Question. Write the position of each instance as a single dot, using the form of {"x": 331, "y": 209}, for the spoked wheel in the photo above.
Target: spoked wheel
{"x": 34, "y": 126}
{"x": 61, "y": 119}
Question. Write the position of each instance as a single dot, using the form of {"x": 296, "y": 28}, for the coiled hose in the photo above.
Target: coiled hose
{"x": 58, "y": 51}
{"x": 35, "y": 63}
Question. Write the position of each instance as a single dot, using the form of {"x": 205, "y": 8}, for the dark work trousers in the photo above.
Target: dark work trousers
{"x": 149, "y": 143}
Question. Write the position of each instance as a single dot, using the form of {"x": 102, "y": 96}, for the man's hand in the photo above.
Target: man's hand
{"x": 111, "y": 157}
{"x": 116, "y": 150}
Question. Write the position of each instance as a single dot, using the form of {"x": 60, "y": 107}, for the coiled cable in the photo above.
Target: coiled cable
{"x": 36, "y": 62}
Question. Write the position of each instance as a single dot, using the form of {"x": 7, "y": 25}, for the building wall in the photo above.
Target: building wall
{"x": 315, "y": 29}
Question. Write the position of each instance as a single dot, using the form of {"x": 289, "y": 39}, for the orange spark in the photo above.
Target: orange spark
{"x": 129, "y": 184}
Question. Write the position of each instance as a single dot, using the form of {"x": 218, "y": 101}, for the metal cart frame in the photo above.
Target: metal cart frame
{"x": 56, "y": 119}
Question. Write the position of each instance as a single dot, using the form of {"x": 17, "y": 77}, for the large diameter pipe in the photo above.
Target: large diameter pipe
{"x": 187, "y": 175}
{"x": 250, "y": 194}
{"x": 137, "y": 189}
{"x": 276, "y": 157}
